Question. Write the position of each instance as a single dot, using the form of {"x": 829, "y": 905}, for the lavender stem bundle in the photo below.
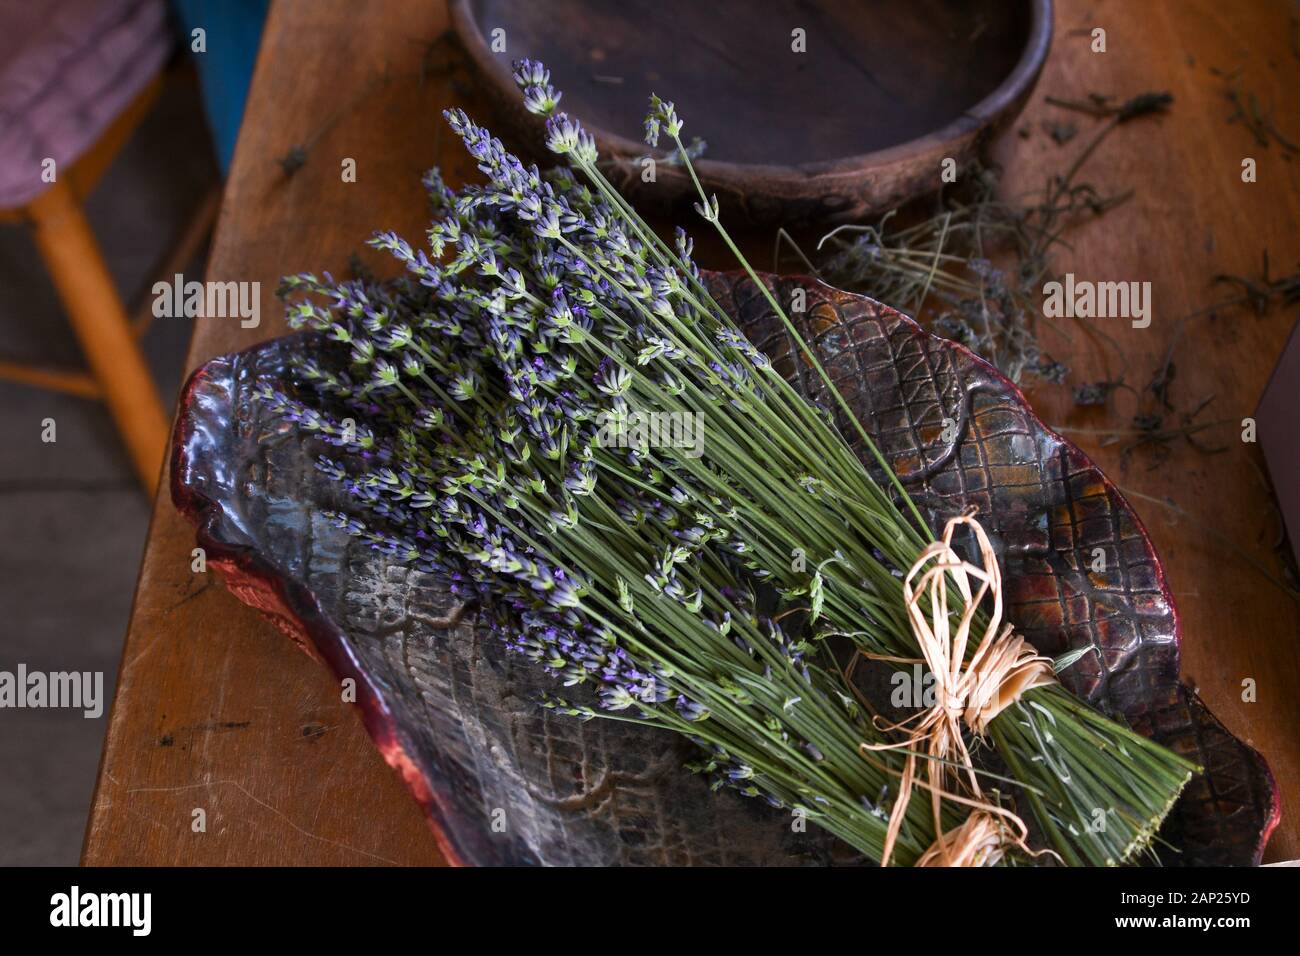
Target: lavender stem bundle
{"x": 502, "y": 388}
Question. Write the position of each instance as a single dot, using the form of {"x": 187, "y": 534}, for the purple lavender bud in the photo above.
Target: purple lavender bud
{"x": 690, "y": 710}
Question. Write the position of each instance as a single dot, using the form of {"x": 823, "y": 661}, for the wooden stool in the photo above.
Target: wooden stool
{"x": 118, "y": 375}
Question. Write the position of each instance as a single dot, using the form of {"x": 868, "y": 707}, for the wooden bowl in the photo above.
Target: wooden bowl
{"x": 856, "y": 125}
{"x": 457, "y": 715}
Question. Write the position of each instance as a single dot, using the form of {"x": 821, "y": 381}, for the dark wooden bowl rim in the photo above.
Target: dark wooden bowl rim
{"x": 295, "y": 610}
{"x": 986, "y": 111}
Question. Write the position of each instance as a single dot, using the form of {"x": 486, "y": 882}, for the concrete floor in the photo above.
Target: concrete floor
{"x": 72, "y": 514}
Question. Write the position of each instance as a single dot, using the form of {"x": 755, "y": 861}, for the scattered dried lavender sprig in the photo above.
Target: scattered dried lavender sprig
{"x": 1151, "y": 432}
{"x": 484, "y": 380}
{"x": 947, "y": 255}
{"x": 1248, "y": 111}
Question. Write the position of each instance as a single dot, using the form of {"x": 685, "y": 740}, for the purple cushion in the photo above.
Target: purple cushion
{"x": 67, "y": 69}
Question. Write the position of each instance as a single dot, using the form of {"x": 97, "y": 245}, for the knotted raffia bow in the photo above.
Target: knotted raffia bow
{"x": 972, "y": 692}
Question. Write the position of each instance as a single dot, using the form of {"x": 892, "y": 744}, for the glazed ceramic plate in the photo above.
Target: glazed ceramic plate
{"x": 851, "y": 125}
{"x": 457, "y": 717}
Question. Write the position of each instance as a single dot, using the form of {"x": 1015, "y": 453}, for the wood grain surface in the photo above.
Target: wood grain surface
{"x": 216, "y": 711}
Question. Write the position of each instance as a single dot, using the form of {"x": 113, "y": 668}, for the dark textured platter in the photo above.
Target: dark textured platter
{"x": 884, "y": 91}
{"x": 457, "y": 718}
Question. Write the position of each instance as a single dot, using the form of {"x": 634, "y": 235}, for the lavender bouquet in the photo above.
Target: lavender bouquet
{"x": 490, "y": 416}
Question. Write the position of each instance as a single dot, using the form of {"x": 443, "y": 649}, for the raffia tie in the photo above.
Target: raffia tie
{"x": 980, "y": 841}
{"x": 972, "y": 692}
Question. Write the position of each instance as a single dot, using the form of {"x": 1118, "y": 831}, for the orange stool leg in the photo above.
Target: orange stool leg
{"x": 72, "y": 256}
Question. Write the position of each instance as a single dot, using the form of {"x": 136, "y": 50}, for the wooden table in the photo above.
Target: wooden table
{"x": 215, "y": 711}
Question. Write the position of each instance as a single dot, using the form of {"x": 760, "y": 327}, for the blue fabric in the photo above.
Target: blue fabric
{"x": 234, "y": 30}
